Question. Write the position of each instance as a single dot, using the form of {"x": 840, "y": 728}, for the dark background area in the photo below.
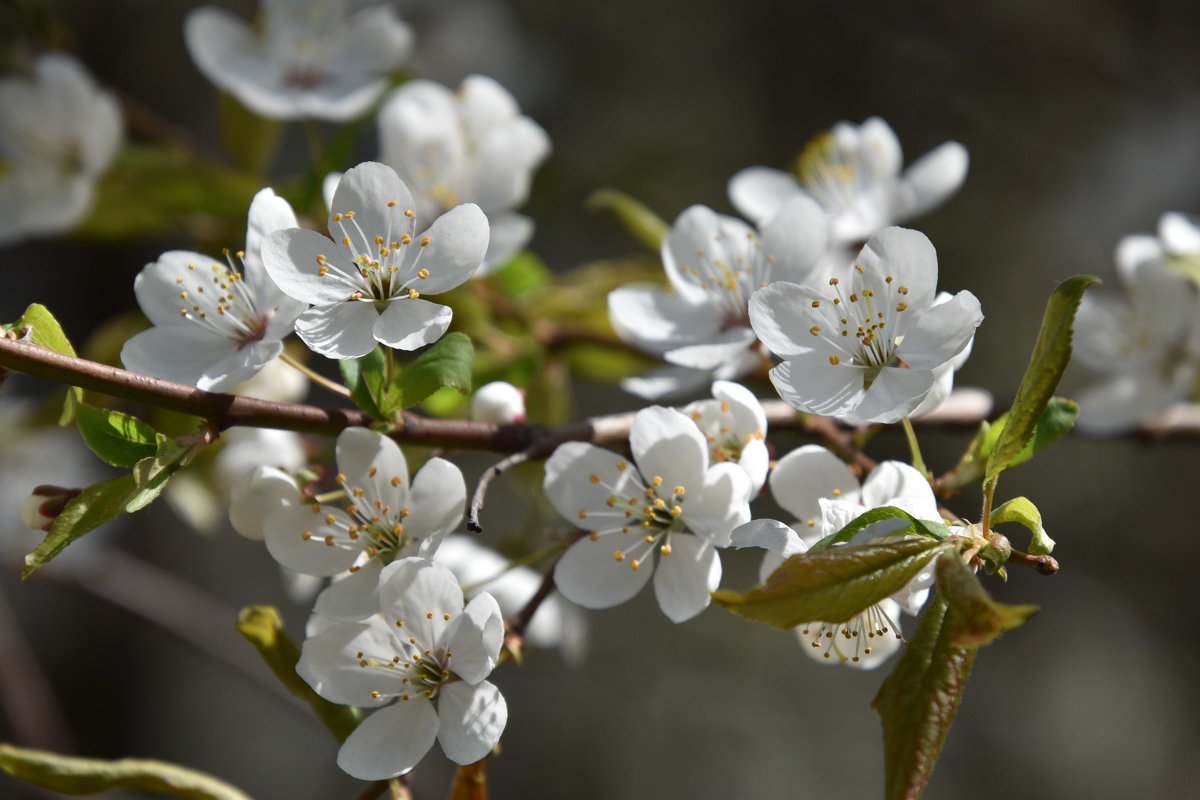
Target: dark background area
{"x": 1083, "y": 125}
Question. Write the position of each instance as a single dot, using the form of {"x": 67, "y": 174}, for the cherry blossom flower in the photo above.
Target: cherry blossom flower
{"x": 1146, "y": 341}
{"x": 469, "y": 146}
{"x": 58, "y": 133}
{"x": 824, "y": 495}
{"x": 499, "y": 402}
{"x": 853, "y": 171}
{"x": 313, "y": 59}
{"x": 368, "y": 286}
{"x": 214, "y": 325}
{"x": 669, "y": 507}
{"x": 422, "y": 661}
{"x": 870, "y": 343}
{"x": 713, "y": 263}
{"x": 386, "y": 519}
{"x": 735, "y": 427}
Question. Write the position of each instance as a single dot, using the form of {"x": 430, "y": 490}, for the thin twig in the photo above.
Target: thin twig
{"x": 485, "y": 480}
{"x": 1045, "y": 564}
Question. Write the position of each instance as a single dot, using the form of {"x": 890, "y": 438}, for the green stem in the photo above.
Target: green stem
{"x": 914, "y": 448}
{"x": 316, "y": 378}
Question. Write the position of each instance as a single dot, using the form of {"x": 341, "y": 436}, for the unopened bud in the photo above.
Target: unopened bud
{"x": 498, "y": 402}
{"x": 44, "y": 504}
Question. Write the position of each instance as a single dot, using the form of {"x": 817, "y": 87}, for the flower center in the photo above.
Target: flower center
{"x": 716, "y": 422}
{"x": 223, "y": 302}
{"x": 730, "y": 273}
{"x": 384, "y": 268}
{"x": 424, "y": 667}
{"x": 648, "y": 518}
{"x": 375, "y": 529}
{"x": 852, "y": 640}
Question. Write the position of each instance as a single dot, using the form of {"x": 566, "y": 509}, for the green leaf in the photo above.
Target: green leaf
{"x": 447, "y": 363}
{"x": 72, "y": 775}
{"x": 927, "y": 528}
{"x": 367, "y": 380}
{"x": 638, "y": 221}
{"x": 832, "y": 585}
{"x": 49, "y": 334}
{"x": 118, "y": 439}
{"x": 1051, "y": 353}
{"x": 263, "y": 627}
{"x": 521, "y": 274}
{"x": 918, "y": 701}
{"x": 976, "y": 618}
{"x": 1021, "y": 510}
{"x": 1056, "y": 421}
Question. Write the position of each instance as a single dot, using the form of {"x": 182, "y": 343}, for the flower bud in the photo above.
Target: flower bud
{"x": 42, "y": 507}
{"x": 498, "y": 402}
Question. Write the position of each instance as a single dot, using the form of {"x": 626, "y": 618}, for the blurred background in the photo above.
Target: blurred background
{"x": 1083, "y": 125}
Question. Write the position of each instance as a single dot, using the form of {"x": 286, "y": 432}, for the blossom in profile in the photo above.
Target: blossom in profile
{"x": 1146, "y": 339}
{"x": 422, "y": 659}
{"x": 58, "y": 134}
{"x": 366, "y": 285}
{"x": 665, "y": 514}
{"x": 312, "y": 58}
{"x": 871, "y": 342}
{"x": 468, "y": 146}
{"x": 735, "y": 426}
{"x": 854, "y": 172}
{"x": 215, "y": 325}
{"x": 714, "y": 263}
{"x": 383, "y": 519}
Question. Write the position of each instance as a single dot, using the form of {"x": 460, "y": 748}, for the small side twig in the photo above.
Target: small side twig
{"x": 1044, "y": 564}
{"x": 489, "y": 475}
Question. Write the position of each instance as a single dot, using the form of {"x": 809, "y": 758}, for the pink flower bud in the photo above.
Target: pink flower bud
{"x": 42, "y": 507}
{"x": 498, "y": 402}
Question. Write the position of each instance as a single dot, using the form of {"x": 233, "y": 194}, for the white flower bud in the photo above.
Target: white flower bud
{"x": 44, "y": 504}
{"x": 498, "y": 402}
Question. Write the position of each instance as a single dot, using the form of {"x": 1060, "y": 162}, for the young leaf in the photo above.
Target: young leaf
{"x": 918, "y": 701}
{"x": 366, "y": 378}
{"x": 1024, "y": 512}
{"x": 1051, "y": 353}
{"x": 118, "y": 439}
{"x": 448, "y": 362}
{"x": 976, "y": 619}
{"x": 928, "y": 528}
{"x": 73, "y": 775}
{"x": 263, "y": 628}
{"x": 638, "y": 221}
{"x": 832, "y": 585}
{"x": 49, "y": 334}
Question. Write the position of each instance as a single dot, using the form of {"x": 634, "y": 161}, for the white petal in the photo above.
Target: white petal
{"x": 509, "y": 232}
{"x": 196, "y": 356}
{"x": 722, "y": 504}
{"x": 158, "y": 290}
{"x": 777, "y": 314}
{"x": 654, "y": 320}
{"x": 714, "y": 352}
{"x": 805, "y": 475}
{"x": 590, "y": 575}
{"x": 812, "y": 384}
{"x": 375, "y": 464}
{"x": 1132, "y": 252}
{"x": 941, "y": 332}
{"x": 293, "y": 260}
{"x": 685, "y": 579}
{"x": 908, "y": 257}
{"x": 666, "y": 382}
{"x": 284, "y": 535}
{"x": 880, "y": 148}
{"x": 668, "y": 445}
{"x": 755, "y": 461}
{"x": 698, "y": 232}
{"x": 421, "y": 594}
{"x": 796, "y": 235}
{"x": 475, "y": 642}
{"x": 258, "y": 494}
{"x": 268, "y": 213}
{"x": 330, "y": 663}
{"x": 744, "y": 405}
{"x": 1180, "y": 234}
{"x": 931, "y": 179}
{"x": 472, "y": 719}
{"x": 391, "y": 741}
{"x": 340, "y": 330}
{"x": 458, "y": 241}
{"x": 895, "y": 393}
{"x": 770, "y": 535}
{"x": 758, "y": 192}
{"x": 894, "y": 483}
{"x": 437, "y": 500}
{"x": 570, "y": 489}
{"x": 354, "y": 597}
{"x": 407, "y": 324}
{"x": 378, "y": 199}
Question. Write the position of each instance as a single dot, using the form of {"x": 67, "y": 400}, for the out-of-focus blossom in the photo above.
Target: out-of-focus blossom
{"x": 58, "y": 133}
{"x": 469, "y": 146}
{"x": 498, "y": 402}
{"x": 735, "y": 427}
{"x": 367, "y": 286}
{"x": 853, "y": 171}
{"x": 870, "y": 343}
{"x": 313, "y": 58}
{"x": 278, "y": 381}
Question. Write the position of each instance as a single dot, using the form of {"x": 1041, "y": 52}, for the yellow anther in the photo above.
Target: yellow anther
{"x": 423, "y": 274}
{"x": 183, "y": 312}
{"x": 903, "y": 290}
{"x": 834, "y": 360}
{"x": 656, "y": 481}
{"x": 406, "y": 239}
{"x": 837, "y": 492}
{"x": 340, "y": 478}
{"x": 378, "y": 240}
{"x": 593, "y": 535}
{"x": 901, "y": 306}
{"x": 854, "y": 298}
{"x": 375, "y": 695}
{"x": 633, "y": 565}
{"x": 680, "y": 491}
{"x": 425, "y": 240}
{"x": 306, "y": 535}
{"x": 725, "y": 406}
{"x": 815, "y": 330}
{"x": 330, "y": 519}
{"x": 582, "y": 514}
{"x": 665, "y": 549}
{"x": 349, "y": 215}
{"x": 337, "y": 217}
{"x": 660, "y": 503}
{"x": 428, "y": 615}
{"x": 329, "y": 541}
{"x": 396, "y": 480}
{"x": 346, "y": 241}
{"x": 391, "y": 203}
{"x": 322, "y": 271}
{"x": 860, "y": 269}
{"x": 833, "y": 281}
{"x": 410, "y": 213}
{"x": 372, "y": 472}
{"x": 816, "y": 303}
{"x": 413, "y": 294}
{"x": 622, "y": 466}
{"x": 676, "y": 511}
{"x": 618, "y": 555}
{"x": 594, "y": 478}
{"x": 399, "y": 623}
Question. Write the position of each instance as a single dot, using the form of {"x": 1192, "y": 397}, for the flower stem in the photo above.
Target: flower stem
{"x": 914, "y": 448}
{"x": 308, "y": 372}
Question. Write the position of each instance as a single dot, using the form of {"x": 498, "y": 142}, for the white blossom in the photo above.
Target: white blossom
{"x": 499, "y": 402}
{"x": 58, "y": 134}
{"x": 314, "y": 58}
{"x": 668, "y": 508}
{"x": 1145, "y": 341}
{"x": 713, "y": 263}
{"x": 422, "y": 661}
{"x": 469, "y": 146}
{"x": 870, "y": 343}
{"x": 735, "y": 426}
{"x": 367, "y": 286}
{"x": 384, "y": 519}
{"x": 853, "y": 171}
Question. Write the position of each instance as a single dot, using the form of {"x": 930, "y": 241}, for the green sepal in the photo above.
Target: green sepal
{"x": 918, "y": 527}
{"x": 638, "y": 221}
{"x": 833, "y": 585}
{"x": 1022, "y": 511}
{"x": 447, "y": 363}
{"x": 117, "y": 438}
{"x": 263, "y": 628}
{"x": 49, "y": 334}
{"x": 1051, "y": 353}
{"x": 73, "y": 775}
{"x": 367, "y": 379}
{"x": 918, "y": 701}
{"x": 977, "y": 619}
